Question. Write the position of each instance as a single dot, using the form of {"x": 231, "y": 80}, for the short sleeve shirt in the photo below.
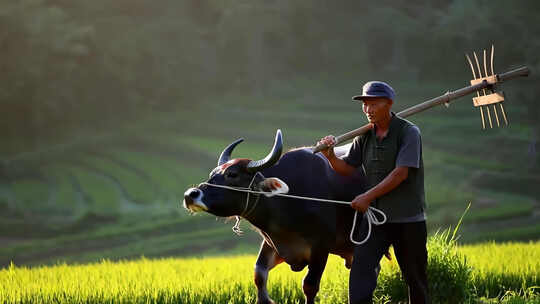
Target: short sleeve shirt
{"x": 408, "y": 156}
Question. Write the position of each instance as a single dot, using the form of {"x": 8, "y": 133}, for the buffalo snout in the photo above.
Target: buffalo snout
{"x": 193, "y": 200}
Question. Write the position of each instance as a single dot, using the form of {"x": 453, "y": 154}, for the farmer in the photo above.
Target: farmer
{"x": 391, "y": 157}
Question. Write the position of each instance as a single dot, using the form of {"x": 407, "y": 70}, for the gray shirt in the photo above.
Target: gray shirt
{"x": 409, "y": 155}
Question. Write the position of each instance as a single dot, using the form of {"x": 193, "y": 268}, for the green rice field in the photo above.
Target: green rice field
{"x": 482, "y": 273}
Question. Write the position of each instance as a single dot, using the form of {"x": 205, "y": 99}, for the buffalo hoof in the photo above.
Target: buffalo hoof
{"x": 266, "y": 301}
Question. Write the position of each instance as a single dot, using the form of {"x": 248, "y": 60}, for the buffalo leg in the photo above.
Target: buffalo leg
{"x": 266, "y": 260}
{"x": 312, "y": 279}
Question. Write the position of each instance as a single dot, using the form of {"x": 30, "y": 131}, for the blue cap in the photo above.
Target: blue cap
{"x": 376, "y": 89}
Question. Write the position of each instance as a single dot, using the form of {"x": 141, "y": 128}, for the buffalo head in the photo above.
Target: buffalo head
{"x": 237, "y": 173}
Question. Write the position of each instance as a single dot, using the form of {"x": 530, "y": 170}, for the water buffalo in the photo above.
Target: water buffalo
{"x": 299, "y": 232}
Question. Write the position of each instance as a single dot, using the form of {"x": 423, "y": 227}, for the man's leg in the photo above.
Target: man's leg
{"x": 409, "y": 240}
{"x": 365, "y": 267}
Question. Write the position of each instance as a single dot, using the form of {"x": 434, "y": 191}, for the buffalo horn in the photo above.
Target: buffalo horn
{"x": 271, "y": 158}
{"x": 226, "y": 154}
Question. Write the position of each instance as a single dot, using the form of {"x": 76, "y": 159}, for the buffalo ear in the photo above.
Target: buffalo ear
{"x": 273, "y": 186}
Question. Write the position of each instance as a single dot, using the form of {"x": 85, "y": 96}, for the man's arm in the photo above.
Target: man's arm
{"x": 389, "y": 183}
{"x": 339, "y": 165}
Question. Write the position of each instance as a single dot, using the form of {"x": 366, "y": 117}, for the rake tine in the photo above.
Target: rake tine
{"x": 486, "y": 73}
{"x": 482, "y": 115}
{"x": 492, "y": 53}
{"x": 494, "y": 106}
{"x": 503, "y": 113}
{"x": 479, "y": 71}
{"x": 473, "y": 72}
{"x": 489, "y": 117}
{"x": 496, "y": 116}
{"x": 485, "y": 64}
{"x": 477, "y": 65}
{"x": 470, "y": 63}
{"x": 483, "y": 90}
{"x": 477, "y": 93}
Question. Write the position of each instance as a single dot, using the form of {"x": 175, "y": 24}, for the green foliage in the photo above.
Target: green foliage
{"x": 93, "y": 237}
{"x": 229, "y": 279}
{"x": 529, "y": 296}
{"x": 165, "y": 173}
{"x": 502, "y": 211}
{"x": 67, "y": 201}
{"x": 104, "y": 196}
{"x": 503, "y": 268}
{"x": 45, "y": 47}
{"x": 32, "y": 194}
{"x": 136, "y": 186}
{"x": 521, "y": 232}
{"x": 449, "y": 273}
{"x": 73, "y": 65}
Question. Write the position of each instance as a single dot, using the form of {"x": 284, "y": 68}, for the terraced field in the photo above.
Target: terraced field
{"x": 117, "y": 195}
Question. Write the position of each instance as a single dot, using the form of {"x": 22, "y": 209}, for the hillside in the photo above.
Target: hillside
{"x": 111, "y": 110}
{"x": 119, "y": 195}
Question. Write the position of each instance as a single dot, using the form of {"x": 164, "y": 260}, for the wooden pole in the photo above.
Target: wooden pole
{"x": 443, "y": 99}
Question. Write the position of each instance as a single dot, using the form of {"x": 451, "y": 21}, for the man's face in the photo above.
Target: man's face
{"x": 376, "y": 109}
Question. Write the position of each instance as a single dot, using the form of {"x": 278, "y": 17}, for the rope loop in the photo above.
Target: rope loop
{"x": 371, "y": 220}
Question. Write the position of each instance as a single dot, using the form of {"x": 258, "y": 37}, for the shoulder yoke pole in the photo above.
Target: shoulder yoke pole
{"x": 443, "y": 99}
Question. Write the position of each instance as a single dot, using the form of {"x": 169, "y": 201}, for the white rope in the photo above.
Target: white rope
{"x": 371, "y": 218}
{"x": 236, "y": 228}
{"x": 248, "y": 190}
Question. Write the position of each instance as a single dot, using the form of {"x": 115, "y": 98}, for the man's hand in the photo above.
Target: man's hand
{"x": 361, "y": 202}
{"x": 329, "y": 141}
{"x": 338, "y": 164}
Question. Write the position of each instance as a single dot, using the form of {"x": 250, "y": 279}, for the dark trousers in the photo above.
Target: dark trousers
{"x": 409, "y": 241}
